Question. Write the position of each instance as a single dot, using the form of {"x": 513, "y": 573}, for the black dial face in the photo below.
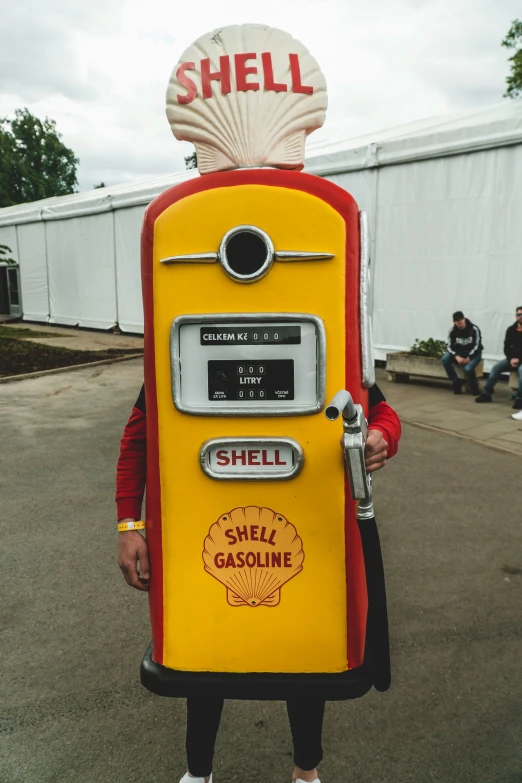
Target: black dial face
{"x": 251, "y": 381}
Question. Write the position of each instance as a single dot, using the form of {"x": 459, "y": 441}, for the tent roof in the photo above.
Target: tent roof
{"x": 493, "y": 126}
{"x": 451, "y": 134}
{"x": 93, "y": 201}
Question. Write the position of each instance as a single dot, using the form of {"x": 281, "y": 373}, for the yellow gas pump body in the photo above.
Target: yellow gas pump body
{"x": 201, "y": 530}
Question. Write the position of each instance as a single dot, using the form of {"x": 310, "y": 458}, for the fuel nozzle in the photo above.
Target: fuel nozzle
{"x": 343, "y": 404}
{"x": 354, "y": 440}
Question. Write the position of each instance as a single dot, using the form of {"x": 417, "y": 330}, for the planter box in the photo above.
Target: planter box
{"x": 401, "y": 365}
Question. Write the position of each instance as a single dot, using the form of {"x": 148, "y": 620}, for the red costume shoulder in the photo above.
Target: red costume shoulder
{"x": 382, "y": 417}
{"x": 131, "y": 468}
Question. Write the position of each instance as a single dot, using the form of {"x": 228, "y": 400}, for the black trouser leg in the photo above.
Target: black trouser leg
{"x": 203, "y": 716}
{"x": 306, "y": 724}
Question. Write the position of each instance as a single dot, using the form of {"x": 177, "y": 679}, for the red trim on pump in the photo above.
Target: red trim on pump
{"x": 153, "y": 505}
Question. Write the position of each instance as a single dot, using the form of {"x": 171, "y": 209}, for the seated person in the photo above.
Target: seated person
{"x": 463, "y": 347}
{"x": 512, "y": 362}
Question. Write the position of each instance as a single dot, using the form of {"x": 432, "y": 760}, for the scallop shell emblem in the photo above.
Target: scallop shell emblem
{"x": 246, "y": 96}
{"x": 253, "y": 552}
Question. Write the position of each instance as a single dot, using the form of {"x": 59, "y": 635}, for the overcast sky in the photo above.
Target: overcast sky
{"x": 100, "y": 68}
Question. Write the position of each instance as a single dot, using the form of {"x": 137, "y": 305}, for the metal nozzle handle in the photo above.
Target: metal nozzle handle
{"x": 343, "y": 404}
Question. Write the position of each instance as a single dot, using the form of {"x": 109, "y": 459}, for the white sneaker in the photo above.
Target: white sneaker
{"x": 187, "y": 779}
{"x": 302, "y": 781}
{"x": 517, "y": 416}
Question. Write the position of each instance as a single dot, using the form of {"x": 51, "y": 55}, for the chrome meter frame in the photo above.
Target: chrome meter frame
{"x": 246, "y": 409}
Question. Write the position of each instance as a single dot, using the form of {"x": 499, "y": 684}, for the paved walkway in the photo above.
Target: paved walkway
{"x": 423, "y": 403}
{"x": 78, "y": 339}
{"x": 432, "y": 404}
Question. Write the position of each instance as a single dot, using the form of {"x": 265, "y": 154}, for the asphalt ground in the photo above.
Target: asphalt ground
{"x": 73, "y": 634}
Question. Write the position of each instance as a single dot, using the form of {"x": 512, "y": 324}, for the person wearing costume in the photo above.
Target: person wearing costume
{"x": 203, "y": 715}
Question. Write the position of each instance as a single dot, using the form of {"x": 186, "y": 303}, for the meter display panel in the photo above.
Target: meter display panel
{"x": 272, "y": 379}
{"x": 248, "y": 366}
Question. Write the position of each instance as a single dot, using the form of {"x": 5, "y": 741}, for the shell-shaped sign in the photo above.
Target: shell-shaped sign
{"x": 253, "y": 552}
{"x": 246, "y": 96}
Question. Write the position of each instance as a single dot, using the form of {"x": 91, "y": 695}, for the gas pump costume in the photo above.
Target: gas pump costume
{"x": 203, "y": 715}
{"x": 257, "y": 311}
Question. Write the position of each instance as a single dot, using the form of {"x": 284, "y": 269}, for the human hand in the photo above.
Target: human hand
{"x": 375, "y": 451}
{"x": 132, "y": 548}
{"x": 515, "y": 362}
{"x": 460, "y": 360}
{"x": 466, "y": 361}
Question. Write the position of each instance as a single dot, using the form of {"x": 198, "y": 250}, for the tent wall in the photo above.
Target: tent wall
{"x": 81, "y": 269}
{"x": 448, "y": 236}
{"x": 127, "y": 224}
{"x": 33, "y": 271}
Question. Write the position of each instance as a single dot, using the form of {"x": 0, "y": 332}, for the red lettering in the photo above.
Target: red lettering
{"x": 242, "y": 533}
{"x": 265, "y": 459}
{"x": 253, "y": 532}
{"x": 276, "y": 559}
{"x": 271, "y": 539}
{"x": 260, "y": 564}
{"x": 288, "y": 559}
{"x": 187, "y": 82}
{"x": 242, "y": 72}
{"x": 295, "y": 69}
{"x": 222, "y": 457}
{"x": 223, "y": 76}
{"x": 240, "y": 557}
{"x": 251, "y": 559}
{"x": 277, "y": 460}
{"x": 230, "y": 561}
{"x": 251, "y": 455}
{"x": 262, "y": 536}
{"x": 268, "y": 72}
{"x": 231, "y": 537}
{"x": 241, "y": 458}
{"x": 219, "y": 561}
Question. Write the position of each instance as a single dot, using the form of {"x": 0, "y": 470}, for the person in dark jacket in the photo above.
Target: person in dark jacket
{"x": 512, "y": 362}
{"x": 463, "y": 347}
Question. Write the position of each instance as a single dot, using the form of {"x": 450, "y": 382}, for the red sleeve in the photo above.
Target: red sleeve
{"x": 383, "y": 418}
{"x": 131, "y": 468}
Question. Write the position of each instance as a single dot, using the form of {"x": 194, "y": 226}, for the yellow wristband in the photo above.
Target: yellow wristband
{"x": 138, "y": 525}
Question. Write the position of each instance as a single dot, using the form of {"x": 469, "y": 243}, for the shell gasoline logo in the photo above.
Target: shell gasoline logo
{"x": 253, "y": 551}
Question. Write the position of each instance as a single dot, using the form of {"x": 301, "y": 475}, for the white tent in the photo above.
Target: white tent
{"x": 444, "y": 198}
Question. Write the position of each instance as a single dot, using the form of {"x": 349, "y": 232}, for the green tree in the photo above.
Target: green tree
{"x": 191, "y": 161}
{"x": 34, "y": 162}
{"x": 4, "y": 250}
{"x": 101, "y": 185}
{"x": 513, "y": 40}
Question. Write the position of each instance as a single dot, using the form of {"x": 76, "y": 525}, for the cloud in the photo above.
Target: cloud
{"x": 101, "y": 69}
{"x": 38, "y": 56}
